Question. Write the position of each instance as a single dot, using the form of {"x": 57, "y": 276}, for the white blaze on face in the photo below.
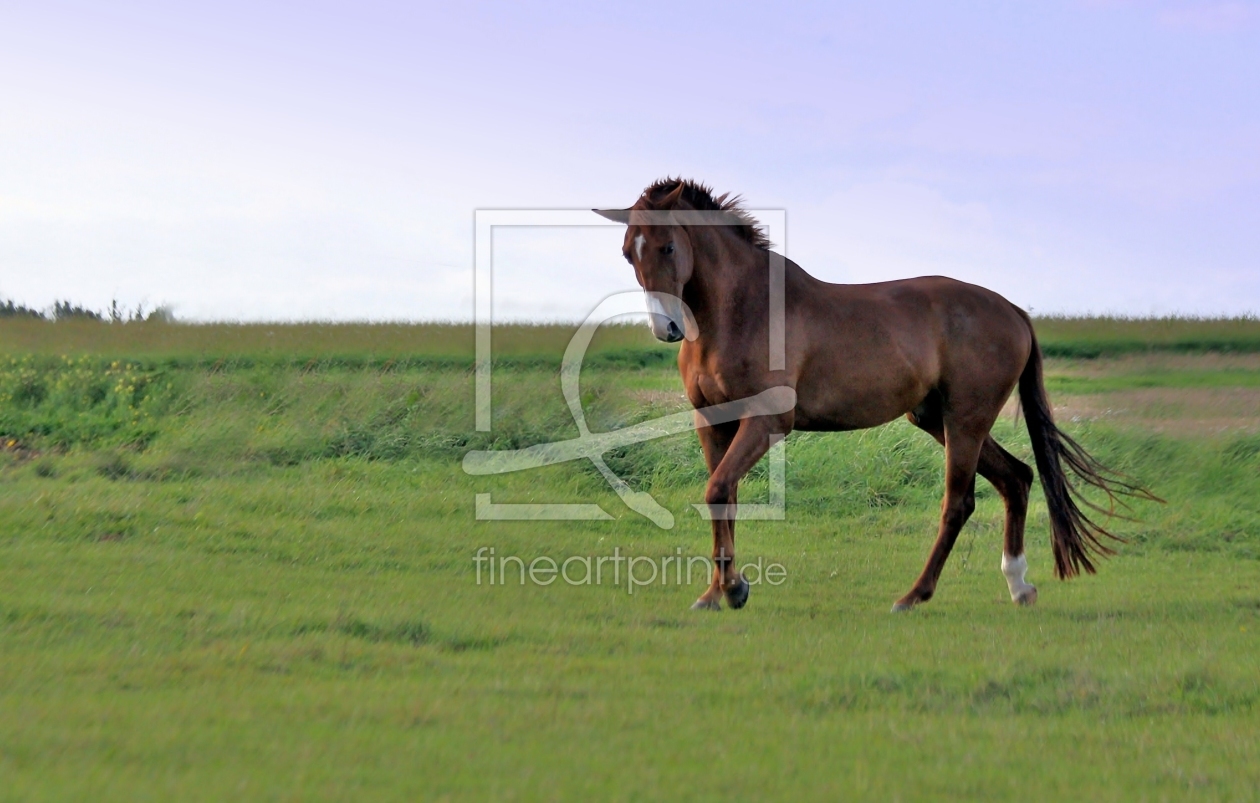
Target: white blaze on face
{"x": 1014, "y": 569}
{"x": 638, "y": 246}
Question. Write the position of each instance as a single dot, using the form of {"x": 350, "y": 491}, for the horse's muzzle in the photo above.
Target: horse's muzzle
{"x": 665, "y": 317}
{"x": 671, "y": 333}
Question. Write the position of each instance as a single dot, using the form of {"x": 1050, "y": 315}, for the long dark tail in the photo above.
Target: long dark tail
{"x": 1073, "y": 535}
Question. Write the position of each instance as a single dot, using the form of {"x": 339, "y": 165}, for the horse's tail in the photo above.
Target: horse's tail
{"x": 1073, "y": 535}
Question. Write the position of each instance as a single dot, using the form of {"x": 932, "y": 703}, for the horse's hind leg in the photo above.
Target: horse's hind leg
{"x": 962, "y": 454}
{"x": 1012, "y": 479}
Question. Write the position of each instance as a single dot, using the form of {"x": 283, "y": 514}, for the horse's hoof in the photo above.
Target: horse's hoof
{"x": 737, "y": 597}
{"x": 1027, "y": 597}
{"x": 703, "y": 604}
{"x": 901, "y": 606}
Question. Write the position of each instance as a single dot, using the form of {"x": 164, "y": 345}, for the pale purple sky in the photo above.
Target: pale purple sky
{"x": 265, "y": 161}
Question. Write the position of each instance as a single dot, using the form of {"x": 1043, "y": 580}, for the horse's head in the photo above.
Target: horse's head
{"x": 660, "y": 251}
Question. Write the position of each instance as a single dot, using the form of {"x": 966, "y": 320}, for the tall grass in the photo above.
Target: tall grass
{"x": 162, "y": 422}
{"x": 157, "y": 418}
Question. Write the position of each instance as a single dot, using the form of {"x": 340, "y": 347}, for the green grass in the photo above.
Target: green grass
{"x": 364, "y": 343}
{"x": 1183, "y": 379}
{"x": 254, "y": 578}
{"x": 294, "y": 343}
{"x": 1112, "y": 336}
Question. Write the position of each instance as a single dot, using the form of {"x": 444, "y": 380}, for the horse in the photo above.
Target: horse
{"x": 943, "y": 353}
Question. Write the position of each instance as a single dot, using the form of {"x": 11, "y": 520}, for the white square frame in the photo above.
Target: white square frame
{"x": 486, "y": 221}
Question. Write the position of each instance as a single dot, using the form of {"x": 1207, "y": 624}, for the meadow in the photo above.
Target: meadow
{"x": 238, "y": 560}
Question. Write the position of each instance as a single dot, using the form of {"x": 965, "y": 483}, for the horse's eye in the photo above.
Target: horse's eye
{"x": 627, "y": 256}
{"x": 668, "y": 249}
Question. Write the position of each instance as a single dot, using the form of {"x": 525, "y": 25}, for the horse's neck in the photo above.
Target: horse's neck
{"x": 729, "y": 285}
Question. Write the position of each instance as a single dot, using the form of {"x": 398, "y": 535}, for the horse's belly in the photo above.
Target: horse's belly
{"x": 840, "y": 420}
{"x": 855, "y": 405}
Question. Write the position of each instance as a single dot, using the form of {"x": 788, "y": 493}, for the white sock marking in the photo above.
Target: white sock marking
{"x": 1015, "y": 569}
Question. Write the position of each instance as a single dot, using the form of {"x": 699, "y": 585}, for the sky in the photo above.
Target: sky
{"x": 264, "y": 161}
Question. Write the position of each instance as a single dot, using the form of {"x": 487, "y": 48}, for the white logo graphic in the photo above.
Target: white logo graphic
{"x": 593, "y": 446}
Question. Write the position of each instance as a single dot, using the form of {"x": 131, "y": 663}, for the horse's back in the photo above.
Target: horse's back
{"x": 877, "y": 350}
{"x": 980, "y": 339}
{"x": 937, "y": 314}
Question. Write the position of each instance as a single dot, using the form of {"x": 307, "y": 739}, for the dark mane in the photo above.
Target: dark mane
{"x": 698, "y": 196}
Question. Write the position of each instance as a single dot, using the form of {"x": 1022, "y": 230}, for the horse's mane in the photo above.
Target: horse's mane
{"x": 698, "y": 196}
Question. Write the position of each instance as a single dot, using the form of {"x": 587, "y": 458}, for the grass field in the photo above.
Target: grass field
{"x": 239, "y": 561}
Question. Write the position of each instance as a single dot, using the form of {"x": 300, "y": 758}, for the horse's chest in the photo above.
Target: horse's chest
{"x": 709, "y": 387}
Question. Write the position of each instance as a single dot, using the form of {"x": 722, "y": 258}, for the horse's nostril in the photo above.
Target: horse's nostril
{"x": 674, "y": 332}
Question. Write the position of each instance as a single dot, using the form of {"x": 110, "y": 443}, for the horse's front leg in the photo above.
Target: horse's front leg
{"x": 714, "y": 441}
{"x": 750, "y": 443}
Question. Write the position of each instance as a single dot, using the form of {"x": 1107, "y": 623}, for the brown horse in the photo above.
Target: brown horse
{"x": 943, "y": 353}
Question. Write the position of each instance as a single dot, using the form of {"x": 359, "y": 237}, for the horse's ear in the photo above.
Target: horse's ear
{"x": 671, "y": 201}
{"x": 615, "y": 215}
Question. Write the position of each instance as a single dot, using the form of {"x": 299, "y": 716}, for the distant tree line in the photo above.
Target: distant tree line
{"x": 68, "y": 311}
